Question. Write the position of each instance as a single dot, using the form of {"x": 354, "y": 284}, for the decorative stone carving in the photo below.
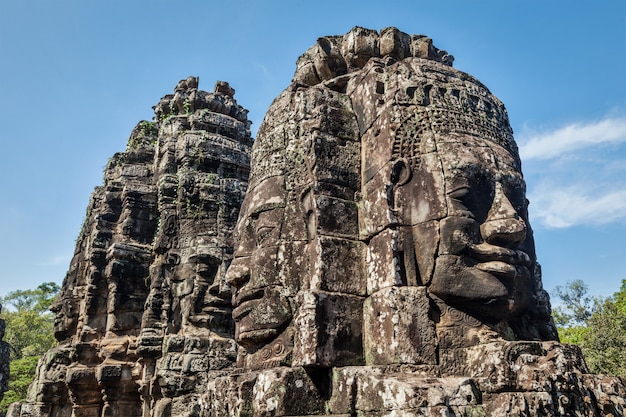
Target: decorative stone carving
{"x": 382, "y": 261}
{"x": 384, "y": 250}
{"x": 144, "y": 316}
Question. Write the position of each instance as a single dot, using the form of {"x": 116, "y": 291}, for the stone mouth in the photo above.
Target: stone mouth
{"x": 505, "y": 270}
{"x": 251, "y": 337}
{"x": 215, "y": 302}
{"x": 492, "y": 254}
{"x": 218, "y": 310}
{"x": 246, "y": 302}
{"x": 248, "y": 294}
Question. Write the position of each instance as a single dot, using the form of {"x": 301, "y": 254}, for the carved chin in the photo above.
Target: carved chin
{"x": 258, "y": 322}
{"x": 252, "y": 338}
{"x": 489, "y": 289}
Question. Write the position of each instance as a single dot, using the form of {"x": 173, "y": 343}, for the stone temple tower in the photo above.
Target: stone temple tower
{"x": 144, "y": 315}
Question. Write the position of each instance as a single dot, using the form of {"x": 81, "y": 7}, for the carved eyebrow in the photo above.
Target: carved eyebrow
{"x": 512, "y": 179}
{"x": 206, "y": 257}
{"x": 269, "y": 204}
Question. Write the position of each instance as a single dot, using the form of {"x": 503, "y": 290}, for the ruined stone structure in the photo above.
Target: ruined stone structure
{"x": 144, "y": 316}
{"x": 383, "y": 263}
{"x": 5, "y": 356}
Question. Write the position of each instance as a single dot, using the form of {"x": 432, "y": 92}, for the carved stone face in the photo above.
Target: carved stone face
{"x": 213, "y": 297}
{"x": 66, "y": 317}
{"x": 203, "y": 296}
{"x": 468, "y": 214}
{"x": 262, "y": 302}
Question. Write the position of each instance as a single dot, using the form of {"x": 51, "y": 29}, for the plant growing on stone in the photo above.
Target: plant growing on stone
{"x": 187, "y": 107}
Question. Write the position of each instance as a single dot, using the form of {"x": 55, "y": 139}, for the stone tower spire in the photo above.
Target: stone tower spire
{"x": 144, "y": 314}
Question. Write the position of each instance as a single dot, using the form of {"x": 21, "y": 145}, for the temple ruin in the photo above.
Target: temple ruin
{"x": 367, "y": 254}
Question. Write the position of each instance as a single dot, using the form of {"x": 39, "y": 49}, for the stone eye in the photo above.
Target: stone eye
{"x": 262, "y": 234}
{"x": 461, "y": 201}
{"x": 460, "y": 193}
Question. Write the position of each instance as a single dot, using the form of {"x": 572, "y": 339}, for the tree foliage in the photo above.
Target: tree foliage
{"x": 29, "y": 333}
{"x": 577, "y": 306}
{"x": 37, "y": 300}
{"x": 22, "y": 374}
{"x": 29, "y": 324}
{"x": 597, "y": 325}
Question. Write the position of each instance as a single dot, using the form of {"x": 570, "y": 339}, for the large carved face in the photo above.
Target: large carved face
{"x": 262, "y": 301}
{"x": 468, "y": 213}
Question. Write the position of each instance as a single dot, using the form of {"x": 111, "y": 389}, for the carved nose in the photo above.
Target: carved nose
{"x": 219, "y": 290}
{"x": 238, "y": 273}
{"x": 503, "y": 227}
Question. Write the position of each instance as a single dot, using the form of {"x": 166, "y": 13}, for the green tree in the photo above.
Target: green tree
{"x": 597, "y": 325}
{"x": 576, "y": 305}
{"x": 29, "y": 333}
{"x": 575, "y": 309}
{"x": 38, "y": 300}
{"x": 28, "y": 320}
{"x": 22, "y": 374}
{"x": 620, "y": 297}
{"x": 604, "y": 343}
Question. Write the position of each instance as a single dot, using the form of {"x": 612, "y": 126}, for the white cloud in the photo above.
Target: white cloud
{"x": 573, "y": 137}
{"x": 574, "y": 205}
{"x": 580, "y": 179}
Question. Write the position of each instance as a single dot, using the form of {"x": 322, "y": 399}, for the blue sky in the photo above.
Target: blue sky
{"x": 76, "y": 76}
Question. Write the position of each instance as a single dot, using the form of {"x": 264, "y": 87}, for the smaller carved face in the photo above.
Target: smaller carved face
{"x": 205, "y": 297}
{"x": 467, "y": 208}
{"x": 261, "y": 300}
{"x": 212, "y": 299}
{"x": 66, "y": 317}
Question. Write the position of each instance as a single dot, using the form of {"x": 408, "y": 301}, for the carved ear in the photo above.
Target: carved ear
{"x": 308, "y": 206}
{"x": 401, "y": 172}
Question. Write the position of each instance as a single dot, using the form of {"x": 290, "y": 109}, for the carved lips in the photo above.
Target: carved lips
{"x": 503, "y": 262}
{"x": 260, "y": 314}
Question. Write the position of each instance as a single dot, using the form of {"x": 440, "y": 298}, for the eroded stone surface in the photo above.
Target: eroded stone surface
{"x": 144, "y": 317}
{"x": 383, "y": 263}
{"x": 5, "y": 356}
{"x": 381, "y": 166}
{"x": 392, "y": 183}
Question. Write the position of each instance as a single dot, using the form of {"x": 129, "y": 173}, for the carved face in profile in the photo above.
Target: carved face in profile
{"x": 467, "y": 209}
{"x": 262, "y": 301}
{"x": 213, "y": 299}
